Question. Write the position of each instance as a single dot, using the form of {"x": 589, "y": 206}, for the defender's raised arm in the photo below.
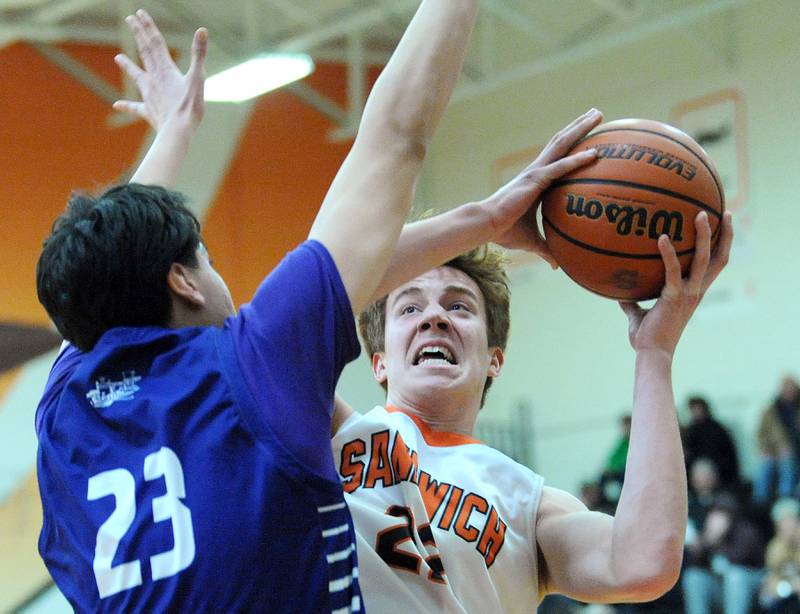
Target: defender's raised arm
{"x": 172, "y": 102}
{"x": 368, "y": 202}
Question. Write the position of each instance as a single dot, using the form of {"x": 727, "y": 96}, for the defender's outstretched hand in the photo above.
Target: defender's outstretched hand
{"x": 165, "y": 91}
{"x": 517, "y": 229}
{"x": 661, "y": 327}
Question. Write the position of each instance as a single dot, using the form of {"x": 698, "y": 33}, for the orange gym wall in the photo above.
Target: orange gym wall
{"x": 275, "y": 184}
{"x": 52, "y": 138}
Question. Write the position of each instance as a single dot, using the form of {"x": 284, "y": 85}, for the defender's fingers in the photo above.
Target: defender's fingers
{"x": 154, "y": 45}
{"x": 130, "y": 106}
{"x": 672, "y": 268}
{"x": 702, "y": 252}
{"x": 128, "y": 66}
{"x": 140, "y": 36}
{"x": 135, "y": 26}
{"x": 199, "y": 51}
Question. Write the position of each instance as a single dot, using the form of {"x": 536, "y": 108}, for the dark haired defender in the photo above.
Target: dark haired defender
{"x": 106, "y": 261}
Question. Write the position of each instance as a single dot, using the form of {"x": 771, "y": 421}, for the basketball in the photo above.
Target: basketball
{"x": 602, "y": 222}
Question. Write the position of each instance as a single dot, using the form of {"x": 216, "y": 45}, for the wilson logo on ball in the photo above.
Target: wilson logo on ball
{"x": 603, "y": 221}
{"x": 625, "y": 218}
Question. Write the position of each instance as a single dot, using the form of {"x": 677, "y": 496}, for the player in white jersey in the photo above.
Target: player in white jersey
{"x": 438, "y": 532}
{"x": 443, "y": 522}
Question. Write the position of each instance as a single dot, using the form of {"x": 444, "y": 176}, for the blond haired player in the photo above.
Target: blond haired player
{"x": 445, "y": 523}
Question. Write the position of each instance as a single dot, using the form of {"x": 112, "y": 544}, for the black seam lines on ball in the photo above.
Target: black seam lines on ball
{"x": 674, "y": 140}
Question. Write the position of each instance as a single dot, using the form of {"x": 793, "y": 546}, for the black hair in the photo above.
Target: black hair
{"x": 106, "y": 261}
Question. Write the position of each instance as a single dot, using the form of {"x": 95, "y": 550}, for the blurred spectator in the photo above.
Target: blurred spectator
{"x": 779, "y": 443}
{"x": 704, "y": 488}
{"x": 779, "y": 591}
{"x": 724, "y": 561}
{"x": 704, "y": 437}
{"x": 615, "y": 465}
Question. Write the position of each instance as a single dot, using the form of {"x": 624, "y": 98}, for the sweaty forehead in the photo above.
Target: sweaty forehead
{"x": 438, "y": 281}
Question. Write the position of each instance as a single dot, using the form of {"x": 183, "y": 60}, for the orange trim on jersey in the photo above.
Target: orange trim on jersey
{"x": 436, "y": 439}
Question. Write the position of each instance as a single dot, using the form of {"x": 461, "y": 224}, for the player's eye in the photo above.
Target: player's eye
{"x": 408, "y": 309}
{"x": 459, "y": 307}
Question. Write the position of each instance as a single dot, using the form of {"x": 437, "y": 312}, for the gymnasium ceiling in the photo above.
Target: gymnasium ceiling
{"x": 514, "y": 40}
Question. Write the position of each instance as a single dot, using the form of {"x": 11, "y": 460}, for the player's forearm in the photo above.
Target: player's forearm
{"x": 650, "y": 523}
{"x": 368, "y": 203}
{"x": 414, "y": 88}
{"x": 162, "y": 162}
{"x": 430, "y": 243}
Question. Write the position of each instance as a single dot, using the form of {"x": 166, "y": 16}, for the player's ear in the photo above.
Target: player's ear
{"x": 379, "y": 371}
{"x": 496, "y": 362}
{"x": 182, "y": 282}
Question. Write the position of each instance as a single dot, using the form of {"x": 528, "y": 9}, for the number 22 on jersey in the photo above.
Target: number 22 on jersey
{"x": 121, "y": 484}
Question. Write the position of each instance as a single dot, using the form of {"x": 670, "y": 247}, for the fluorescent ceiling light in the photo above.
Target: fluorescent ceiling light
{"x": 257, "y": 75}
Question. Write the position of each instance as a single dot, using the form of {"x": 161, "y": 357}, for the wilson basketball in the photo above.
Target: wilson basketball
{"x": 602, "y": 222}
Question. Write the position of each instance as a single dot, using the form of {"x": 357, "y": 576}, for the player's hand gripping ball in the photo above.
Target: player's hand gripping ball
{"x": 602, "y": 222}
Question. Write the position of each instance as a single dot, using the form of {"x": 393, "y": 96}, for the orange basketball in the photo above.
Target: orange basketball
{"x": 602, "y": 222}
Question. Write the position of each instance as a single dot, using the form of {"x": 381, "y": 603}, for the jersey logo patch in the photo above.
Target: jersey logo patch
{"x": 107, "y": 392}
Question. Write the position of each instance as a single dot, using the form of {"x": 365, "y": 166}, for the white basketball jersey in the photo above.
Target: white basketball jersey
{"x": 444, "y": 523}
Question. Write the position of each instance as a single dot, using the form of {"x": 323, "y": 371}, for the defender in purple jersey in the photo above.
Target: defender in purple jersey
{"x": 184, "y": 459}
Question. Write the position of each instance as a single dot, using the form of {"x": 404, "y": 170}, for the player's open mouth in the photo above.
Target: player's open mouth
{"x": 435, "y": 354}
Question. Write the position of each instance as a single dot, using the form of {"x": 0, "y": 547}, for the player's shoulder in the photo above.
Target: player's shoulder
{"x": 505, "y": 473}
{"x": 556, "y": 502}
{"x": 69, "y": 359}
{"x": 306, "y": 286}
{"x": 305, "y": 259}
{"x": 348, "y": 420}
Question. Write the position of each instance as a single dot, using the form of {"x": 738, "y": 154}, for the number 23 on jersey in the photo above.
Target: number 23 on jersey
{"x": 120, "y": 484}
